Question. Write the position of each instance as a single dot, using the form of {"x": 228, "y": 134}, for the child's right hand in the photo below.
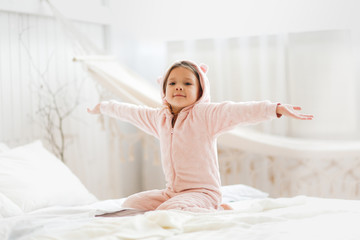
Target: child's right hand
{"x": 96, "y": 109}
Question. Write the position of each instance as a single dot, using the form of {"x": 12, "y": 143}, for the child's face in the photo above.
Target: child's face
{"x": 182, "y": 88}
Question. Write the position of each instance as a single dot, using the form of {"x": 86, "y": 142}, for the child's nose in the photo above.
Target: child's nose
{"x": 179, "y": 88}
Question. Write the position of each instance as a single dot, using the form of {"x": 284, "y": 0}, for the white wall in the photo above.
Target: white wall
{"x": 177, "y": 20}
{"x": 96, "y": 11}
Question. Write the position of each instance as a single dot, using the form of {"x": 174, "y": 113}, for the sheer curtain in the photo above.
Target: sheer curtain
{"x": 312, "y": 69}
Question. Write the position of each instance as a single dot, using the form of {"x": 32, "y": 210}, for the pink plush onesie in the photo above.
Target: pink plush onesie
{"x": 188, "y": 150}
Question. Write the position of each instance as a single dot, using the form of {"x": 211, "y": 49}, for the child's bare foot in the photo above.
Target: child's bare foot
{"x": 226, "y": 206}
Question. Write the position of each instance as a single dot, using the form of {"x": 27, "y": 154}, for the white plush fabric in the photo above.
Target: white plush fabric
{"x": 3, "y": 147}
{"x": 33, "y": 178}
{"x": 8, "y": 208}
{"x": 238, "y": 192}
{"x": 298, "y": 218}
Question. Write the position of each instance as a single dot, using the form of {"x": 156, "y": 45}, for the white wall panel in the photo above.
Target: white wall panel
{"x": 36, "y": 49}
{"x": 93, "y": 11}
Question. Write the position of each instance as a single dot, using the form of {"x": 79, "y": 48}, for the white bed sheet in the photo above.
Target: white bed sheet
{"x": 284, "y": 218}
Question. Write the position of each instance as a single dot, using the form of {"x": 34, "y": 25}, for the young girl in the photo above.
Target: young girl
{"x": 187, "y": 127}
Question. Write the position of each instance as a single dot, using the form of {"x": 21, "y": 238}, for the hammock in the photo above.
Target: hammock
{"x": 120, "y": 81}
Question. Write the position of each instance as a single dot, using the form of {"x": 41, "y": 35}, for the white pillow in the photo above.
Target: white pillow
{"x": 3, "y": 147}
{"x": 238, "y": 192}
{"x": 33, "y": 178}
{"x": 8, "y": 208}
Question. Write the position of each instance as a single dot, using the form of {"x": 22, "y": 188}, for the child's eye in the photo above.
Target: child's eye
{"x": 188, "y": 84}
{"x": 172, "y": 83}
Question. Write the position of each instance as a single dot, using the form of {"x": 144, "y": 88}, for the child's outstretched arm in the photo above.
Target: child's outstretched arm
{"x": 289, "y": 111}
{"x": 95, "y": 110}
{"x": 221, "y": 117}
{"x": 142, "y": 117}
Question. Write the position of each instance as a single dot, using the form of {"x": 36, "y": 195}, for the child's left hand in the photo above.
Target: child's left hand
{"x": 289, "y": 111}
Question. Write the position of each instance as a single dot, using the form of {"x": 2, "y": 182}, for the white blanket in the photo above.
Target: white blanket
{"x": 283, "y": 218}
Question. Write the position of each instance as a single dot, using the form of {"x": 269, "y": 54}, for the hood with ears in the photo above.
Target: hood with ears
{"x": 204, "y": 82}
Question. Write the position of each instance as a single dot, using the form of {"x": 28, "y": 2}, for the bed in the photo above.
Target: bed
{"x": 40, "y": 198}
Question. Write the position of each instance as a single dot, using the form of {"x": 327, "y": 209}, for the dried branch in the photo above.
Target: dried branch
{"x": 51, "y": 110}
